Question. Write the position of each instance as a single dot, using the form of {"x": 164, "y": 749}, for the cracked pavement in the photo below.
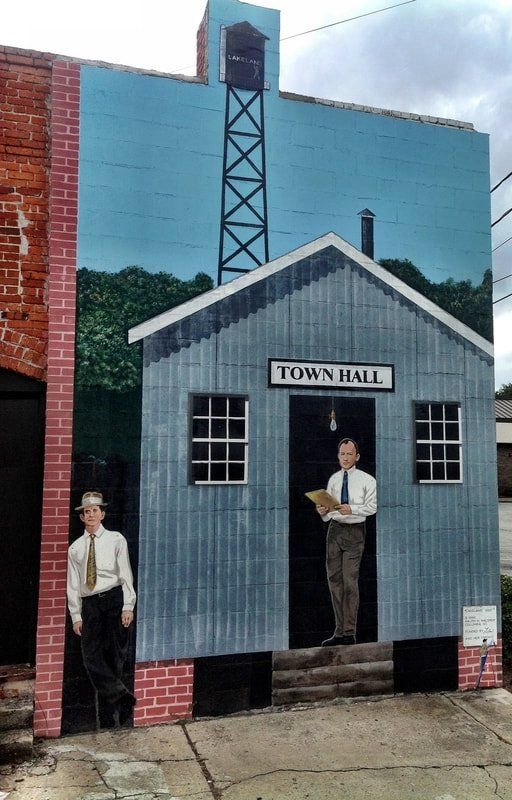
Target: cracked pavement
{"x": 447, "y": 746}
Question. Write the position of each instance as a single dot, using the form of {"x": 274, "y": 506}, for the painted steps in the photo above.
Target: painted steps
{"x": 324, "y": 673}
{"x": 16, "y": 712}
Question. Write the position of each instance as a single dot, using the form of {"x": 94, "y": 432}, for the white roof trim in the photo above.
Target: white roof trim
{"x": 266, "y": 270}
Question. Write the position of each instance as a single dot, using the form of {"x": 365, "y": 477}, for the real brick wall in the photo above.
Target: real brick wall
{"x": 469, "y": 667}
{"x": 65, "y": 103}
{"x": 202, "y": 47}
{"x": 163, "y": 690}
{"x": 24, "y": 188}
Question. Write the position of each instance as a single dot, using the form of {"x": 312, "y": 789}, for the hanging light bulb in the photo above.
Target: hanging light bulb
{"x": 333, "y": 424}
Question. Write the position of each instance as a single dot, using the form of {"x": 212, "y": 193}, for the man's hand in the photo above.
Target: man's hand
{"x": 77, "y": 627}
{"x": 322, "y": 510}
{"x": 344, "y": 508}
{"x": 126, "y": 618}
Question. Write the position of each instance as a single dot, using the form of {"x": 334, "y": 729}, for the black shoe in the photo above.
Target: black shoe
{"x": 106, "y": 714}
{"x": 125, "y": 708}
{"x": 107, "y": 720}
{"x": 334, "y": 641}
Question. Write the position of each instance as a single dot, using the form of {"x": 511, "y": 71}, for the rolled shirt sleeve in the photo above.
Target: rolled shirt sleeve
{"x": 362, "y": 496}
{"x": 74, "y": 588}
{"x": 125, "y": 575}
{"x": 112, "y": 569}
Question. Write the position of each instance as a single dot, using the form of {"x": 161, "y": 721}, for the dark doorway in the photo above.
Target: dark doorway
{"x": 21, "y": 473}
{"x": 313, "y": 459}
{"x": 106, "y": 458}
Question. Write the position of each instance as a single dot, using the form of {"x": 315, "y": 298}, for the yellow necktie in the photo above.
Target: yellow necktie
{"x": 91, "y": 565}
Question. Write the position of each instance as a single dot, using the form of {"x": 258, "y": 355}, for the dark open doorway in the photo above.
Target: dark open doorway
{"x": 313, "y": 458}
{"x": 21, "y": 472}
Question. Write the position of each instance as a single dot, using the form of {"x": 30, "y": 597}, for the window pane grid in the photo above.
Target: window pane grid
{"x": 219, "y": 439}
{"x": 438, "y": 443}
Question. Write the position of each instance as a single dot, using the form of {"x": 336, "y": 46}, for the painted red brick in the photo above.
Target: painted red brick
{"x": 469, "y": 667}
{"x": 59, "y": 418}
{"x": 159, "y": 698}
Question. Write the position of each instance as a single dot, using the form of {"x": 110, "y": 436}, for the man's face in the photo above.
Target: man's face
{"x": 347, "y": 455}
{"x": 92, "y": 517}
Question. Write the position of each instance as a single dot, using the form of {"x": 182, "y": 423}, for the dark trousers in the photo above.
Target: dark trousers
{"x": 105, "y": 643}
{"x": 345, "y": 545}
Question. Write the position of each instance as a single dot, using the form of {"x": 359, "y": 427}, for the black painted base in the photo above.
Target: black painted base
{"x": 226, "y": 684}
{"x": 426, "y": 665}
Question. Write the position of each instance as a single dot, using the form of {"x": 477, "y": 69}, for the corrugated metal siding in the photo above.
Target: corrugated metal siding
{"x": 213, "y": 575}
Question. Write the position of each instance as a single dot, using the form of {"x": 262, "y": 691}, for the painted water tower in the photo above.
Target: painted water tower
{"x": 243, "y": 227}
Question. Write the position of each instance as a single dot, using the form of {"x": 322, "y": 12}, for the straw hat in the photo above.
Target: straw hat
{"x": 91, "y": 499}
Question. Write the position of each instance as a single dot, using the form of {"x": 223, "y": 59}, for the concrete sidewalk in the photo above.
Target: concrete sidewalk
{"x": 428, "y": 747}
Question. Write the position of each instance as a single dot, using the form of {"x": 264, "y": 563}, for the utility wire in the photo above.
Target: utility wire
{"x": 502, "y": 181}
{"x": 502, "y": 217}
{"x": 502, "y": 298}
{"x": 350, "y": 19}
{"x": 322, "y": 27}
{"x": 502, "y": 279}
{"x": 501, "y": 245}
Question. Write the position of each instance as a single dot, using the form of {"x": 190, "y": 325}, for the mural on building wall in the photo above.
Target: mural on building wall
{"x": 157, "y": 165}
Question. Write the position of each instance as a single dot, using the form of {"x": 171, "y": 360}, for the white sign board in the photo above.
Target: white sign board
{"x": 479, "y": 623}
{"x": 330, "y": 375}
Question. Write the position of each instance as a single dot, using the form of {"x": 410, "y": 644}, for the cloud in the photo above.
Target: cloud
{"x": 448, "y": 59}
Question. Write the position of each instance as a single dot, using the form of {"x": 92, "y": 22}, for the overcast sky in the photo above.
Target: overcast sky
{"x": 449, "y": 58}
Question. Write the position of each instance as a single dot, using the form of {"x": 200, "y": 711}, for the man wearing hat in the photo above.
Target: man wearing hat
{"x": 101, "y": 600}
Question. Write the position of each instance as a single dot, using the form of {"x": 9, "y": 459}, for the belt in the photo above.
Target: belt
{"x": 101, "y": 594}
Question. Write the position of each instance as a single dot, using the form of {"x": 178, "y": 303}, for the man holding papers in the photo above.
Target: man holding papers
{"x": 356, "y": 495}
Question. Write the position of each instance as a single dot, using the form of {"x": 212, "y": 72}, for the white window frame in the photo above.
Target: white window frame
{"x": 444, "y": 441}
{"x": 227, "y": 440}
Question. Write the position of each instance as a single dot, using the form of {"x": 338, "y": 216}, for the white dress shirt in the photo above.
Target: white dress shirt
{"x": 362, "y": 496}
{"x": 112, "y": 569}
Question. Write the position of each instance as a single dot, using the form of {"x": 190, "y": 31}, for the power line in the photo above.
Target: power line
{"x": 502, "y": 181}
{"x": 502, "y": 279}
{"x": 502, "y": 298}
{"x": 350, "y": 19}
{"x": 501, "y": 245}
{"x": 502, "y": 217}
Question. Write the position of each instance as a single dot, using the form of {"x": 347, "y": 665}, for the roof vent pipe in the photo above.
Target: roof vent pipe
{"x": 367, "y": 218}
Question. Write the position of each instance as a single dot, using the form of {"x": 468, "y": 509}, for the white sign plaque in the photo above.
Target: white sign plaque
{"x": 331, "y": 375}
{"x": 479, "y": 623}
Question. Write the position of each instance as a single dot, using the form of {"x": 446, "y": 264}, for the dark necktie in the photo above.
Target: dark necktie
{"x": 91, "y": 565}
{"x": 344, "y": 488}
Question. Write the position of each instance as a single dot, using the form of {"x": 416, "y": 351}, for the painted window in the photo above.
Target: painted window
{"x": 438, "y": 443}
{"x": 219, "y": 439}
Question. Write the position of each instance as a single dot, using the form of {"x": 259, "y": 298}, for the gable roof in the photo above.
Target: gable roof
{"x": 246, "y": 27}
{"x": 211, "y": 297}
{"x": 504, "y": 410}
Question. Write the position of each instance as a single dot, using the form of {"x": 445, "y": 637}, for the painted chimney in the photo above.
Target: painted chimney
{"x": 367, "y": 218}
{"x": 202, "y": 48}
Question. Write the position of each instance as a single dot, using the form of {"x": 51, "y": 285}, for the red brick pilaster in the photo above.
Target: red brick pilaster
{"x": 65, "y": 99}
{"x": 163, "y": 690}
{"x": 469, "y": 667}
